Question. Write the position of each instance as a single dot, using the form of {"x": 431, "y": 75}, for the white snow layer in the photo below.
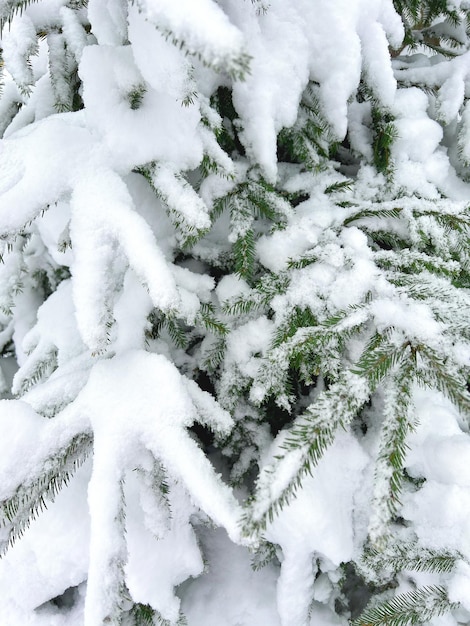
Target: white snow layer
{"x": 287, "y": 51}
{"x": 138, "y": 407}
{"x": 318, "y": 523}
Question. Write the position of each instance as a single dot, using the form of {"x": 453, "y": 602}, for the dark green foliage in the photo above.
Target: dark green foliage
{"x": 310, "y": 141}
{"x": 423, "y": 21}
{"x": 268, "y": 286}
{"x": 310, "y": 435}
{"x": 343, "y": 185}
{"x": 136, "y": 96}
{"x": 253, "y": 207}
{"x": 244, "y": 254}
{"x": 142, "y": 615}
{"x": 384, "y": 134}
{"x": 227, "y": 135}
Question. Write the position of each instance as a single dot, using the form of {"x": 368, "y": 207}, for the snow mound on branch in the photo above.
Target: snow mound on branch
{"x": 318, "y": 523}
{"x": 346, "y": 39}
{"x": 139, "y": 402}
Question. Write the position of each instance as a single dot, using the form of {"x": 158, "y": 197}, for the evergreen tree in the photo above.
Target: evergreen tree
{"x": 235, "y": 312}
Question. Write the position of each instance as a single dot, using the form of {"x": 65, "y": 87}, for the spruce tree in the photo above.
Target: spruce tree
{"x": 235, "y": 312}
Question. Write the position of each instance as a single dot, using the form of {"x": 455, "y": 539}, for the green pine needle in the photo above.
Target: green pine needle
{"x": 408, "y": 609}
{"x": 30, "y": 499}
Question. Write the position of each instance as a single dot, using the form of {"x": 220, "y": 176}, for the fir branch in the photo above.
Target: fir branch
{"x": 260, "y": 297}
{"x": 31, "y": 497}
{"x": 214, "y": 356}
{"x": 384, "y": 134}
{"x": 341, "y": 185}
{"x": 303, "y": 447}
{"x": 438, "y": 372}
{"x": 414, "y": 607}
{"x": 384, "y": 239}
{"x": 304, "y": 261}
{"x": 237, "y": 66}
{"x": 265, "y": 554}
{"x": 176, "y": 332}
{"x": 155, "y": 325}
{"x": 381, "y": 213}
{"x": 10, "y": 8}
{"x": 310, "y": 139}
{"x": 244, "y": 254}
{"x": 185, "y": 207}
{"x": 142, "y": 615}
{"x": 309, "y": 348}
{"x": 207, "y": 317}
{"x": 379, "y": 357}
{"x": 397, "y": 424}
{"x": 297, "y": 318}
{"x": 113, "y": 588}
{"x": 459, "y": 223}
{"x": 413, "y": 557}
{"x": 414, "y": 262}
{"x": 262, "y": 6}
{"x": 315, "y": 429}
{"x": 136, "y": 95}
{"x": 30, "y": 376}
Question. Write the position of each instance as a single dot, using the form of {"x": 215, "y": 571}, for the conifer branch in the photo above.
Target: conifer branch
{"x": 303, "y": 447}
{"x": 31, "y": 497}
{"x": 408, "y": 609}
{"x": 10, "y": 8}
{"x": 439, "y": 372}
{"x": 259, "y": 298}
{"x": 411, "y": 556}
{"x": 398, "y": 422}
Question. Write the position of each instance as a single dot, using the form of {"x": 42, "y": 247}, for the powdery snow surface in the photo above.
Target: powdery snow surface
{"x": 287, "y": 52}
{"x": 439, "y": 452}
{"x": 318, "y": 524}
{"x": 230, "y": 592}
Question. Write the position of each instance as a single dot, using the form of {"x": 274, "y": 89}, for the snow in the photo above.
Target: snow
{"x": 99, "y": 205}
{"x": 181, "y": 198}
{"x": 149, "y": 46}
{"x": 168, "y": 130}
{"x": 317, "y": 523}
{"x": 249, "y": 343}
{"x": 107, "y": 231}
{"x": 451, "y": 97}
{"x": 40, "y": 163}
{"x": 18, "y": 44}
{"x": 34, "y": 438}
{"x": 75, "y": 35}
{"x": 440, "y": 509}
{"x": 414, "y": 319}
{"x": 52, "y": 556}
{"x": 230, "y": 287}
{"x": 108, "y": 21}
{"x": 156, "y": 566}
{"x": 243, "y": 596}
